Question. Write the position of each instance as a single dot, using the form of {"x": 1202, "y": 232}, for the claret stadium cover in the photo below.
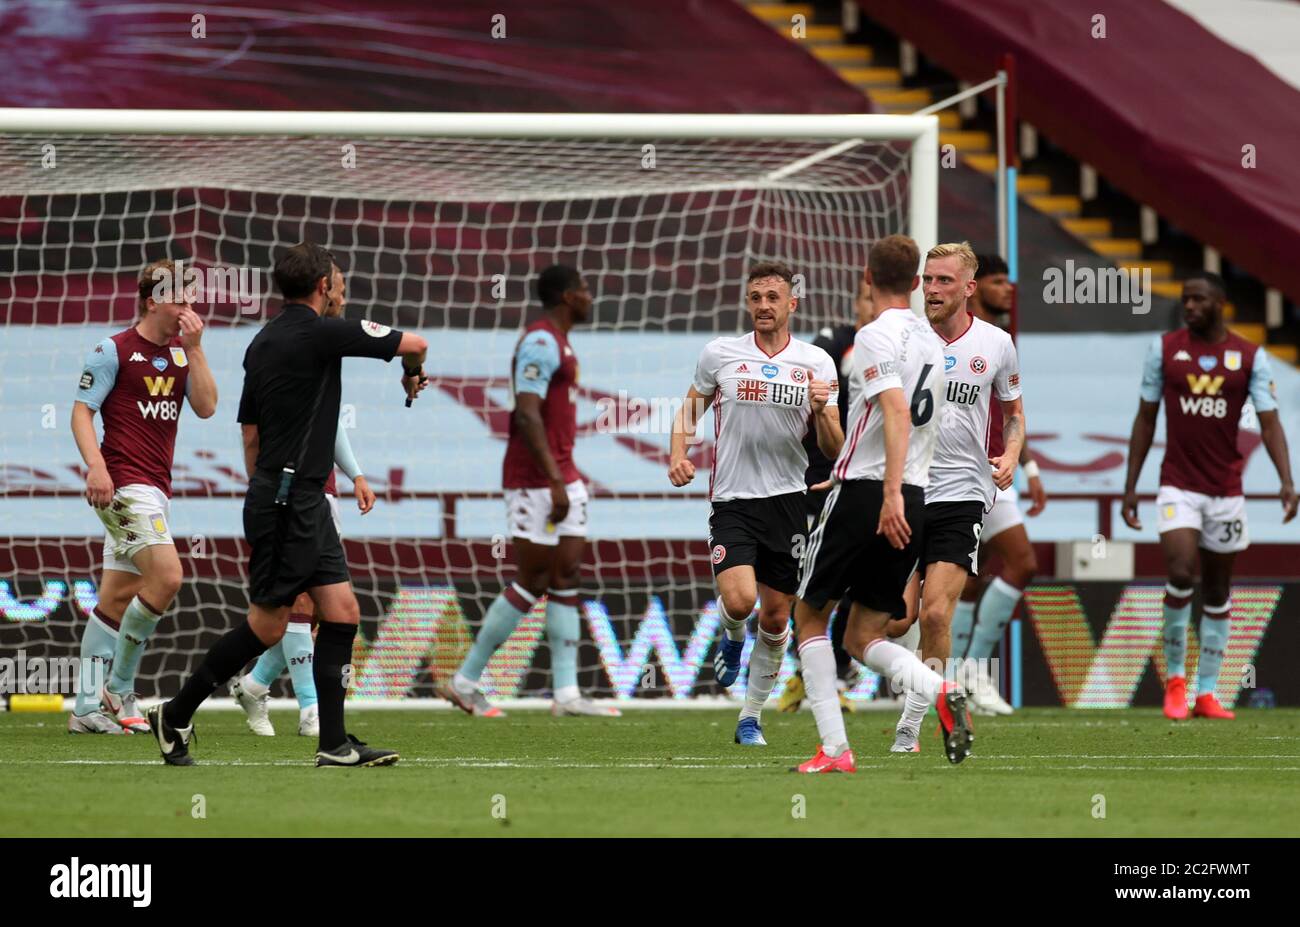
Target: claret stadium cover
{"x": 567, "y": 203}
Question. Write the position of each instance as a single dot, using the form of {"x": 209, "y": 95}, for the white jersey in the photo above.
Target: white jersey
{"x": 761, "y": 412}
{"x": 978, "y": 364}
{"x": 896, "y": 351}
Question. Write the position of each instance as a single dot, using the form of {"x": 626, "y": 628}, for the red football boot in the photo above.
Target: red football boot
{"x": 1207, "y": 706}
{"x": 1176, "y": 698}
{"x": 821, "y": 763}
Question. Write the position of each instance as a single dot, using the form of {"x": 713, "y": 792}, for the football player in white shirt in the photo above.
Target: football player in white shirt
{"x": 767, "y": 389}
{"x": 871, "y": 530}
{"x": 979, "y": 361}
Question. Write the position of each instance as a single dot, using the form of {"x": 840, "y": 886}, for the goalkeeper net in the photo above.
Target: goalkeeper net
{"x": 441, "y": 223}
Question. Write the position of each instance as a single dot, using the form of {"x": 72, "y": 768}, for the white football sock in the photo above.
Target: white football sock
{"x": 903, "y": 670}
{"x": 914, "y": 709}
{"x": 819, "y": 682}
{"x": 735, "y": 627}
{"x": 764, "y": 667}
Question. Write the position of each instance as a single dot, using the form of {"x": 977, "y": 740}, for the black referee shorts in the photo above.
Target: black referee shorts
{"x": 767, "y": 534}
{"x": 295, "y": 547}
{"x": 845, "y": 552}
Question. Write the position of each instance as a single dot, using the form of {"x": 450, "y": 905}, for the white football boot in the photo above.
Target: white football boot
{"x": 256, "y": 707}
{"x": 584, "y": 706}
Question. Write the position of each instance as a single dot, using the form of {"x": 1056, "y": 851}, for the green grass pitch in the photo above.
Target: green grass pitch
{"x": 664, "y": 772}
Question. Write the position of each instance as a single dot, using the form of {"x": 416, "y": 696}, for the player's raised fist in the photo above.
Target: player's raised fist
{"x": 99, "y": 487}
{"x": 819, "y": 391}
{"x": 1130, "y": 511}
{"x": 191, "y": 328}
{"x": 681, "y": 472}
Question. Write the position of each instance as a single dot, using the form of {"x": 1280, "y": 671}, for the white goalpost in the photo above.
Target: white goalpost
{"x": 440, "y": 221}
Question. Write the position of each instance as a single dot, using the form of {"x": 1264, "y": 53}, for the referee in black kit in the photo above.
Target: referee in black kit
{"x": 291, "y": 395}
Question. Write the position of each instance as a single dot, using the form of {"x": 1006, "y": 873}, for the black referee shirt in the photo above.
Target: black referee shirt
{"x": 835, "y": 342}
{"x": 295, "y": 355}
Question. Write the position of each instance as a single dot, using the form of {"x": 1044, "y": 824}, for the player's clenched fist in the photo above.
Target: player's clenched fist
{"x": 1004, "y": 469}
{"x": 819, "y": 392}
{"x": 681, "y": 472}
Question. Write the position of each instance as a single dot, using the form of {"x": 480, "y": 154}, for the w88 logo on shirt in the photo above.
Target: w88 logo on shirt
{"x": 166, "y": 410}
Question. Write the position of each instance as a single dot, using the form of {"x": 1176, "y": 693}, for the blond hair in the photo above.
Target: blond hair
{"x": 149, "y": 277}
{"x": 957, "y": 249}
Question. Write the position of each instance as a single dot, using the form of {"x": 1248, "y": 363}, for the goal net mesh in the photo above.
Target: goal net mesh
{"x": 443, "y": 235}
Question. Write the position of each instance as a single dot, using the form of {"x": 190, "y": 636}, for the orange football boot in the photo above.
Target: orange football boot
{"x": 821, "y": 763}
{"x": 1176, "y": 698}
{"x": 1207, "y": 706}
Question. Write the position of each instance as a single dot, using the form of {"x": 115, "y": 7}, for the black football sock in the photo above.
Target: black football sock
{"x": 333, "y": 652}
{"x": 227, "y": 657}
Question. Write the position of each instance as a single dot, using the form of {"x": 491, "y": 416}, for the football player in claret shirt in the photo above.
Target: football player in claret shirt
{"x": 768, "y": 390}
{"x": 1204, "y": 373}
{"x": 546, "y": 502}
{"x": 137, "y": 380}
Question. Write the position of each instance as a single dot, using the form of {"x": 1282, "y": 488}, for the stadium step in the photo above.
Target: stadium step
{"x": 1160, "y": 270}
{"x": 868, "y": 78}
{"x": 781, "y": 13}
{"x": 828, "y": 35}
{"x": 966, "y": 143}
{"x": 1169, "y": 289}
{"x": 1117, "y": 247}
{"x": 1032, "y": 184}
{"x": 1251, "y": 331}
{"x": 1057, "y": 205}
{"x": 903, "y": 100}
{"x": 1088, "y": 228}
{"x": 856, "y": 56}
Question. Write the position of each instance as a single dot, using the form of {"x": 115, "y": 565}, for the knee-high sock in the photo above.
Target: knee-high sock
{"x": 819, "y": 683}
{"x": 563, "y": 631}
{"x": 498, "y": 624}
{"x": 963, "y": 625}
{"x": 1177, "y": 612}
{"x": 298, "y": 648}
{"x": 271, "y": 664}
{"x": 98, "y": 644}
{"x": 764, "y": 666}
{"x": 903, "y": 670}
{"x": 1215, "y": 625}
{"x": 267, "y": 669}
{"x": 138, "y": 623}
{"x": 734, "y": 627}
{"x": 333, "y": 652}
{"x": 996, "y": 605}
{"x": 226, "y": 658}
